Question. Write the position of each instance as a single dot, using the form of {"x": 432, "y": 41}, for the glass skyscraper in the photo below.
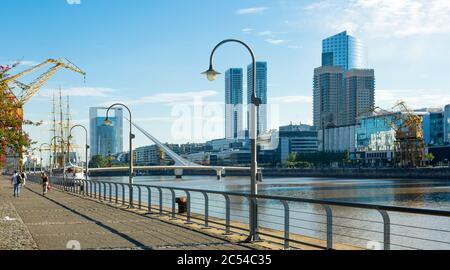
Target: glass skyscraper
{"x": 261, "y": 92}
{"x": 343, "y": 50}
{"x": 105, "y": 140}
{"x": 233, "y": 103}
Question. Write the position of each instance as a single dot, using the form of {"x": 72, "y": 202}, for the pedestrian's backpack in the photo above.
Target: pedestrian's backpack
{"x": 19, "y": 179}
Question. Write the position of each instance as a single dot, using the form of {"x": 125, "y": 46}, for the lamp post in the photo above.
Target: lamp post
{"x": 40, "y": 152}
{"x": 86, "y": 148}
{"x": 108, "y": 122}
{"x": 211, "y": 74}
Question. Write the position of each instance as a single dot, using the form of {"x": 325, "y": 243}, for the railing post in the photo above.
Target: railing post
{"x": 329, "y": 213}
{"x": 149, "y": 195}
{"x": 139, "y": 198}
{"x": 116, "y": 191}
{"x": 227, "y": 214}
{"x": 160, "y": 200}
{"x": 123, "y": 193}
{"x": 188, "y": 206}
{"x": 206, "y": 209}
{"x": 286, "y": 225}
{"x": 110, "y": 192}
{"x": 95, "y": 190}
{"x": 100, "y": 190}
{"x": 173, "y": 203}
{"x": 90, "y": 188}
{"x": 386, "y": 230}
{"x": 104, "y": 191}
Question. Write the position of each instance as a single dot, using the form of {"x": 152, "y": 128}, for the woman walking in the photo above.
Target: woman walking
{"x": 45, "y": 183}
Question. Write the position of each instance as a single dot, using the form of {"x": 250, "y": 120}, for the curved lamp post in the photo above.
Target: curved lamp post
{"x": 40, "y": 152}
{"x": 108, "y": 122}
{"x": 86, "y": 148}
{"x": 211, "y": 74}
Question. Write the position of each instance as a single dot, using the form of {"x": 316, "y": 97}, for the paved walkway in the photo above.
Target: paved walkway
{"x": 49, "y": 223}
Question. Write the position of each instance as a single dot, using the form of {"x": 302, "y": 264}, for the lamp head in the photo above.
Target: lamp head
{"x": 211, "y": 74}
{"x": 107, "y": 122}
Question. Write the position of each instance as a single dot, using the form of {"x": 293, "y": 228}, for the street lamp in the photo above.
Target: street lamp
{"x": 40, "y": 152}
{"x": 86, "y": 148}
{"x": 108, "y": 122}
{"x": 211, "y": 75}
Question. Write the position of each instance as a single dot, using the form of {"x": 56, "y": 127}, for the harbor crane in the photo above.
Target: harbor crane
{"x": 409, "y": 145}
{"x": 28, "y": 90}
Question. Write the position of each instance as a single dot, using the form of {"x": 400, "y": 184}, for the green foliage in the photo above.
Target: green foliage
{"x": 98, "y": 161}
{"x": 318, "y": 159}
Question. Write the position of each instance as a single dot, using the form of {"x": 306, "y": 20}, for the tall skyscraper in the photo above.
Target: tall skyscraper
{"x": 359, "y": 93}
{"x": 261, "y": 92}
{"x": 328, "y": 98}
{"x": 105, "y": 140}
{"x": 233, "y": 103}
{"x": 342, "y": 89}
{"x": 343, "y": 50}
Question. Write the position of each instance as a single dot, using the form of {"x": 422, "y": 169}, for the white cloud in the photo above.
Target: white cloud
{"x": 252, "y": 10}
{"x": 81, "y": 92}
{"x": 247, "y": 30}
{"x": 73, "y": 2}
{"x": 276, "y": 41}
{"x": 290, "y": 99}
{"x": 265, "y": 33}
{"x": 414, "y": 98}
{"x": 167, "y": 98}
{"x": 385, "y": 18}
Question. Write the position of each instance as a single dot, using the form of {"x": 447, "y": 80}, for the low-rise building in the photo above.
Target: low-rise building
{"x": 447, "y": 124}
{"x": 296, "y": 141}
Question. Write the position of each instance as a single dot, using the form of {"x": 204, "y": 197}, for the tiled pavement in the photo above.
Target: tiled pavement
{"x": 55, "y": 220}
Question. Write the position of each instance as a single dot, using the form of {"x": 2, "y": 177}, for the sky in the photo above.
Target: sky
{"x": 149, "y": 55}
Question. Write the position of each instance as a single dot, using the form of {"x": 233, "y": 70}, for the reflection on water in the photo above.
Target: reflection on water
{"x": 350, "y": 225}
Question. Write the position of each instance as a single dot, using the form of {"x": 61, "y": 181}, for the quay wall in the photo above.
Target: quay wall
{"x": 359, "y": 173}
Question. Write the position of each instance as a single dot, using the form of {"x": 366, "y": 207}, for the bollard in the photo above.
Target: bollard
{"x": 182, "y": 204}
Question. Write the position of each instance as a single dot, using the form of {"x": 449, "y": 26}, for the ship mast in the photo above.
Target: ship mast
{"x": 61, "y": 125}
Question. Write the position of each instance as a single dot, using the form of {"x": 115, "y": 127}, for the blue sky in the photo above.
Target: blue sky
{"x": 150, "y": 53}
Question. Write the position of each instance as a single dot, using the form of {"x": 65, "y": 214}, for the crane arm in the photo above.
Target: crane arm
{"x": 28, "y": 91}
{"x": 18, "y": 75}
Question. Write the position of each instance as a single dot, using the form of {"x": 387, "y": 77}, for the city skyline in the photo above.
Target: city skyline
{"x": 405, "y": 64}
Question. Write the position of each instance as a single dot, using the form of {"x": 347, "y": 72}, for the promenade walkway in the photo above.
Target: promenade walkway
{"x": 49, "y": 223}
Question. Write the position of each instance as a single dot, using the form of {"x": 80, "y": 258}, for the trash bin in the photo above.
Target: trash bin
{"x": 182, "y": 204}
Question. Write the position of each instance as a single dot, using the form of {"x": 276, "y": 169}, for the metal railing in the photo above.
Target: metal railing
{"x": 293, "y": 222}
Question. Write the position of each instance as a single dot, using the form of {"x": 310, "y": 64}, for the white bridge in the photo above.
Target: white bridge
{"x": 180, "y": 162}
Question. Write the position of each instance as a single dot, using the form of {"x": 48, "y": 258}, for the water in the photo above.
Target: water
{"x": 351, "y": 226}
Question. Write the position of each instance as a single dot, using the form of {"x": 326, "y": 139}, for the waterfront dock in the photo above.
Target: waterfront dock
{"x": 61, "y": 220}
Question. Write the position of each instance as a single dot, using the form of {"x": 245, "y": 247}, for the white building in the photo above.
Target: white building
{"x": 338, "y": 139}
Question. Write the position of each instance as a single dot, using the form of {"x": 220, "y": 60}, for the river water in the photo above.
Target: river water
{"x": 350, "y": 226}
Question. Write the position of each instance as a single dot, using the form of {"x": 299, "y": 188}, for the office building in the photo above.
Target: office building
{"x": 234, "y": 103}
{"x": 343, "y": 50}
{"x": 261, "y": 92}
{"x": 338, "y": 139}
{"x": 328, "y": 97}
{"x": 106, "y": 139}
{"x": 296, "y": 141}
{"x": 359, "y": 94}
{"x": 433, "y": 125}
{"x": 447, "y": 124}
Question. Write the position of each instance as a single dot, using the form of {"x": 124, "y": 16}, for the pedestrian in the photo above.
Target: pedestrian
{"x": 24, "y": 177}
{"x": 45, "y": 183}
{"x": 16, "y": 181}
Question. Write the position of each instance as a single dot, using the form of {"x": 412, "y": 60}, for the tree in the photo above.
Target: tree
{"x": 12, "y": 137}
{"x": 98, "y": 161}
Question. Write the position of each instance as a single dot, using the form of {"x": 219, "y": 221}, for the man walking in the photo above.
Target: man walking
{"x": 16, "y": 181}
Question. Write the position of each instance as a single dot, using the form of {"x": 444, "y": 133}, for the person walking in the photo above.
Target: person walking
{"x": 45, "y": 184}
{"x": 16, "y": 181}
{"x": 24, "y": 177}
